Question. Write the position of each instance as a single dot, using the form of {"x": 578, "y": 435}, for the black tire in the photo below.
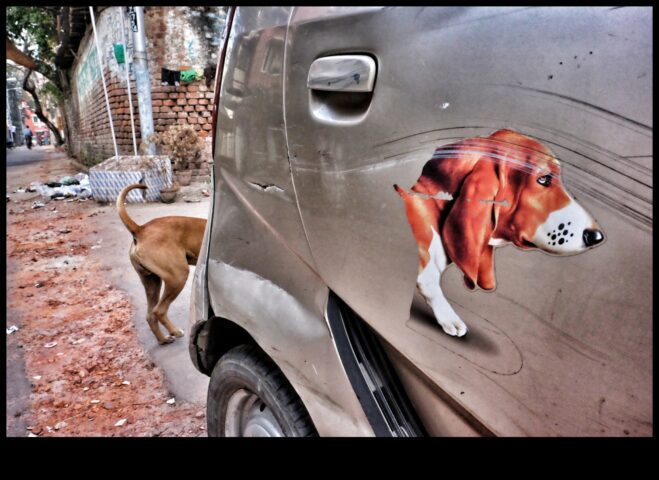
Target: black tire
{"x": 247, "y": 367}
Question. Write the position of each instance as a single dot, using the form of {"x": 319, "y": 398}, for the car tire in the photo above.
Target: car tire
{"x": 248, "y": 395}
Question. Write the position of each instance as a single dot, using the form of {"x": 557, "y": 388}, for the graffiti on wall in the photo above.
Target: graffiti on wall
{"x": 110, "y": 33}
{"x": 88, "y": 74}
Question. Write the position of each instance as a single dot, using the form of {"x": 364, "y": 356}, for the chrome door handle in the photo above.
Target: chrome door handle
{"x": 342, "y": 73}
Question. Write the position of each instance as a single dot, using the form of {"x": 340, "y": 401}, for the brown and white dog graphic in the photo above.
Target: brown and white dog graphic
{"x": 485, "y": 192}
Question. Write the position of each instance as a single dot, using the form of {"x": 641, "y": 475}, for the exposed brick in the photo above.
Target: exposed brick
{"x": 164, "y": 109}
{"x": 206, "y": 114}
{"x": 206, "y": 126}
{"x": 177, "y": 109}
{"x": 200, "y": 108}
{"x": 156, "y": 109}
{"x": 169, "y": 103}
{"x": 204, "y": 101}
{"x": 182, "y": 115}
{"x": 156, "y": 103}
{"x": 192, "y": 101}
{"x": 181, "y": 101}
{"x": 192, "y": 120}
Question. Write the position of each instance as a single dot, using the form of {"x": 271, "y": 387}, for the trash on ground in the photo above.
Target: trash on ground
{"x": 20, "y": 190}
{"x": 67, "y": 187}
{"x": 59, "y": 425}
{"x": 121, "y": 422}
{"x": 37, "y": 205}
{"x": 68, "y": 180}
{"x": 95, "y": 401}
{"x": 38, "y": 284}
{"x": 12, "y": 329}
{"x": 37, "y": 377}
{"x": 50, "y": 344}
{"x": 125, "y": 382}
{"x": 171, "y": 401}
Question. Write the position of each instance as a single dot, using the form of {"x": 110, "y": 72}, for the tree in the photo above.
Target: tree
{"x": 32, "y": 40}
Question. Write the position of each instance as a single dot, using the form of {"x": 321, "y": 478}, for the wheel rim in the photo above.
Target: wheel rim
{"x": 248, "y": 416}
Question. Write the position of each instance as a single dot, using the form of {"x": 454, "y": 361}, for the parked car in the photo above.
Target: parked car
{"x": 370, "y": 167}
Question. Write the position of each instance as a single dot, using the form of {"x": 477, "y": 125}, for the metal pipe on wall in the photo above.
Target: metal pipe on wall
{"x": 142, "y": 77}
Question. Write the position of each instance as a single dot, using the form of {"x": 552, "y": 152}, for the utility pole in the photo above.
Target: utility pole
{"x": 142, "y": 77}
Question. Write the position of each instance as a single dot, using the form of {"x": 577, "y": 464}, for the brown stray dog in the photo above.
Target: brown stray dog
{"x": 161, "y": 251}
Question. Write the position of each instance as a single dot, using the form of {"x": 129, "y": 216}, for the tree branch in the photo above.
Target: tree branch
{"x": 29, "y": 87}
{"x": 18, "y": 56}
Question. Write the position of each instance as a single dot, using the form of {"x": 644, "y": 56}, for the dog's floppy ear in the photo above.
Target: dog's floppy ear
{"x": 467, "y": 229}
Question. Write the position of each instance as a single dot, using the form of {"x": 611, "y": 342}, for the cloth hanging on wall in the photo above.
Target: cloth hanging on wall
{"x": 188, "y": 76}
{"x": 170, "y": 77}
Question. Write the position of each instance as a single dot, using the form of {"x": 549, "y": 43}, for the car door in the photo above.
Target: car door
{"x": 562, "y": 345}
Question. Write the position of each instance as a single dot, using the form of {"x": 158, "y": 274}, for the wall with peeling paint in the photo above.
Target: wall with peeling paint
{"x": 178, "y": 38}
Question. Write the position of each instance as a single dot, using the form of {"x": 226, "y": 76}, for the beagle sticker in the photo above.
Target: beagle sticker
{"x": 486, "y": 192}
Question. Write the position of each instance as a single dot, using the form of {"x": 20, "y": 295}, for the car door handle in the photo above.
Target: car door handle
{"x": 342, "y": 73}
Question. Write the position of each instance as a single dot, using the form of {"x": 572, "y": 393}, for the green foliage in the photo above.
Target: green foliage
{"x": 34, "y": 30}
{"x": 51, "y": 91}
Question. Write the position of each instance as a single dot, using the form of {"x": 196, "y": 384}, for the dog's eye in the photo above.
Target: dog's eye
{"x": 545, "y": 180}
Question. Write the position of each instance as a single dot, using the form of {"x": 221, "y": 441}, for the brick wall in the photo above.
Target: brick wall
{"x": 177, "y": 38}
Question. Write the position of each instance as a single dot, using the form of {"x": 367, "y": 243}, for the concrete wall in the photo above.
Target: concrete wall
{"x": 177, "y": 38}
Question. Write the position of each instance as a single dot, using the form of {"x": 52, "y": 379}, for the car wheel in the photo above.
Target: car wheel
{"x": 248, "y": 396}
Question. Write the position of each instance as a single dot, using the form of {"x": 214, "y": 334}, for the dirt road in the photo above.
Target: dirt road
{"x": 76, "y": 365}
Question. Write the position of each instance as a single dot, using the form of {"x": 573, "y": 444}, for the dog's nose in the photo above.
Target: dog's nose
{"x": 592, "y": 237}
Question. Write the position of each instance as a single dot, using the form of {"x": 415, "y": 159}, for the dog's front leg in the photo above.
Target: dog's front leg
{"x": 428, "y": 283}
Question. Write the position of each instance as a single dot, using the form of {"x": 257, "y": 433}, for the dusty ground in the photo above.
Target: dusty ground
{"x": 86, "y": 367}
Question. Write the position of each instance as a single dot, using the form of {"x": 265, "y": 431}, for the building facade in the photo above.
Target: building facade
{"x": 179, "y": 39}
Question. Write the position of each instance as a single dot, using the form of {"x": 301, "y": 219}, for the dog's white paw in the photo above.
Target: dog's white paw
{"x": 166, "y": 340}
{"x": 455, "y": 328}
{"x": 178, "y": 332}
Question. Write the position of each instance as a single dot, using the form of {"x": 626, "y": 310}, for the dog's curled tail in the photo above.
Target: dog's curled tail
{"x": 121, "y": 208}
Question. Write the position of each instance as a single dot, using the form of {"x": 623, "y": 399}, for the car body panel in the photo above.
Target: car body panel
{"x": 547, "y": 352}
{"x": 259, "y": 273}
{"x": 304, "y": 203}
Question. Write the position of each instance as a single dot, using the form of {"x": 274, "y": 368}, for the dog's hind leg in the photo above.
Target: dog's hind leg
{"x": 152, "y": 285}
{"x": 174, "y": 283}
{"x": 428, "y": 282}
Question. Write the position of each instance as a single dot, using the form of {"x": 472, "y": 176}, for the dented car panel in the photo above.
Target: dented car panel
{"x": 258, "y": 271}
{"x": 557, "y": 336}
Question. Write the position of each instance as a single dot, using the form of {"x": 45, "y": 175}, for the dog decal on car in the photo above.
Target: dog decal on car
{"x": 485, "y": 192}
